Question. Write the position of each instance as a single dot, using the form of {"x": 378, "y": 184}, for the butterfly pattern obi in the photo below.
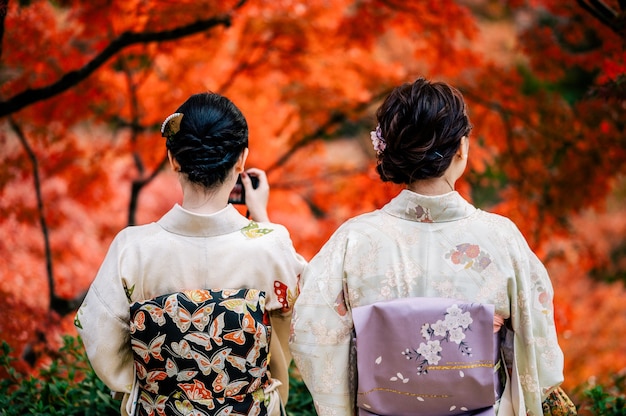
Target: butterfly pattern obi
{"x": 201, "y": 352}
{"x": 427, "y": 357}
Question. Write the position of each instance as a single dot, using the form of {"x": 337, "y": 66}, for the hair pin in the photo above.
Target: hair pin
{"x": 439, "y": 154}
{"x": 171, "y": 125}
{"x": 378, "y": 141}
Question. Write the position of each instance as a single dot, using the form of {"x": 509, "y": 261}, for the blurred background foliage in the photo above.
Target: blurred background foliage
{"x": 84, "y": 87}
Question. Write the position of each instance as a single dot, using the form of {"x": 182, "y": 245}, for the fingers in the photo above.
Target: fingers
{"x": 256, "y": 198}
{"x": 259, "y": 174}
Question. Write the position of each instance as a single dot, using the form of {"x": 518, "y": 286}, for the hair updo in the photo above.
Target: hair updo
{"x": 422, "y": 125}
{"x": 213, "y": 133}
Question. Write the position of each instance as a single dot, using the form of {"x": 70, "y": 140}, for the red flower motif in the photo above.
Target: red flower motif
{"x": 456, "y": 257}
{"x": 472, "y": 251}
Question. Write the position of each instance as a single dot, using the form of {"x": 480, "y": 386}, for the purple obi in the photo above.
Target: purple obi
{"x": 427, "y": 357}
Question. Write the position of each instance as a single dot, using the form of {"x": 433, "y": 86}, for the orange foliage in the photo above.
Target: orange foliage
{"x": 308, "y": 76}
{"x": 590, "y": 314}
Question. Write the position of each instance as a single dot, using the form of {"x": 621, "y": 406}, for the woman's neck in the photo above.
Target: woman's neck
{"x": 202, "y": 201}
{"x": 434, "y": 186}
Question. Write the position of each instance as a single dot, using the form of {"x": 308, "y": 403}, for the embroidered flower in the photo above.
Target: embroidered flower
{"x": 377, "y": 140}
{"x": 440, "y": 328}
{"x": 421, "y": 213}
{"x": 452, "y": 321}
{"x": 457, "y": 318}
{"x": 544, "y": 298}
{"x": 528, "y": 383}
{"x": 252, "y": 230}
{"x": 454, "y": 311}
{"x": 465, "y": 320}
{"x": 457, "y": 335}
{"x": 483, "y": 262}
{"x": 77, "y": 323}
{"x": 470, "y": 256}
{"x": 456, "y": 257}
{"x": 129, "y": 292}
{"x": 430, "y": 351}
{"x": 450, "y": 329}
{"x": 470, "y": 250}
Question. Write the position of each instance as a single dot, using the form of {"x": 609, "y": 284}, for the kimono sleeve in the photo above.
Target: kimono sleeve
{"x": 102, "y": 322}
{"x": 283, "y": 267}
{"x": 538, "y": 358}
{"x": 284, "y": 277}
{"x": 322, "y": 332}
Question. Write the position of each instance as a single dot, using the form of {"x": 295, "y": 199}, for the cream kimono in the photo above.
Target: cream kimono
{"x": 428, "y": 246}
{"x": 186, "y": 251}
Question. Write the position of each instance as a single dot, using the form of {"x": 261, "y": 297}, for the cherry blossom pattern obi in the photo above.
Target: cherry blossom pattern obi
{"x": 427, "y": 357}
{"x": 201, "y": 352}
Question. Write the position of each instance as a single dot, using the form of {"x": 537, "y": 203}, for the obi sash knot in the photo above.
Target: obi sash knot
{"x": 427, "y": 357}
{"x": 201, "y": 352}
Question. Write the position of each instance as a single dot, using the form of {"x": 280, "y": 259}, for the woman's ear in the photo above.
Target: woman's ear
{"x": 240, "y": 166}
{"x": 173, "y": 162}
{"x": 464, "y": 147}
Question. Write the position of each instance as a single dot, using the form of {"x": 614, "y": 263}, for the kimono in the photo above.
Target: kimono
{"x": 425, "y": 246}
{"x": 184, "y": 251}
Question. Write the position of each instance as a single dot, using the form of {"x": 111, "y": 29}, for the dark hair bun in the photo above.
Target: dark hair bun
{"x": 422, "y": 124}
{"x": 213, "y": 133}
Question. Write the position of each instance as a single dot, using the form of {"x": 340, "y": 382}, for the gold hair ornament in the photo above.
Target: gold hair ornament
{"x": 171, "y": 125}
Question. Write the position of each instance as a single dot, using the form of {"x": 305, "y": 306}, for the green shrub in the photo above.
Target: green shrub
{"x": 300, "y": 401}
{"x": 606, "y": 400}
{"x": 67, "y": 387}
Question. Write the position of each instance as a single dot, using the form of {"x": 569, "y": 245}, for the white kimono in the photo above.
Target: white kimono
{"x": 429, "y": 246}
{"x": 186, "y": 251}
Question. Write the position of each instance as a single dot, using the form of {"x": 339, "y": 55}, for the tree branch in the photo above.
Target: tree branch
{"x": 4, "y": 8}
{"x": 137, "y": 185}
{"x": 336, "y": 119}
{"x": 603, "y": 9}
{"x": 40, "y": 206}
{"x": 31, "y": 96}
{"x": 606, "y": 15}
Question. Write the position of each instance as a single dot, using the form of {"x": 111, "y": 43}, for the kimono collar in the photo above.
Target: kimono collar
{"x": 424, "y": 208}
{"x": 180, "y": 221}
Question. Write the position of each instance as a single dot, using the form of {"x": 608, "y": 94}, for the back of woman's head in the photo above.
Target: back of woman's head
{"x": 212, "y": 134}
{"x": 421, "y": 125}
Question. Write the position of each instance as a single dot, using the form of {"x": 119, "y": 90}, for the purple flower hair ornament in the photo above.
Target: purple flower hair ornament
{"x": 377, "y": 140}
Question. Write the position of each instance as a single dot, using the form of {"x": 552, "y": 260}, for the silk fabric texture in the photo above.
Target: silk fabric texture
{"x": 425, "y": 246}
{"x": 187, "y": 251}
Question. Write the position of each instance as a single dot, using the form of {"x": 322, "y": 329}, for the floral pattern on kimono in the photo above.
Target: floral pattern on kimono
{"x": 425, "y": 246}
{"x": 185, "y": 250}
{"x": 426, "y": 356}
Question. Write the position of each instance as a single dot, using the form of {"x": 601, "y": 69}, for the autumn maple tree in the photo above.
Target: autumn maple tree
{"x": 85, "y": 86}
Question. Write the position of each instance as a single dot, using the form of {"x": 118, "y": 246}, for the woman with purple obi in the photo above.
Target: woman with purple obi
{"x": 427, "y": 306}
